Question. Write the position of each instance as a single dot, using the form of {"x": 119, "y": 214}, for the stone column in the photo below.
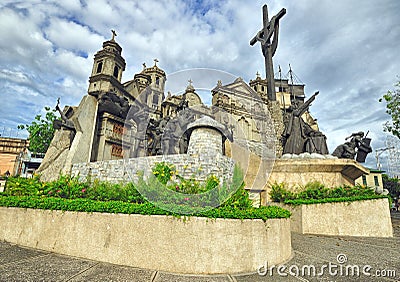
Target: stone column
{"x": 277, "y": 118}
{"x": 205, "y": 141}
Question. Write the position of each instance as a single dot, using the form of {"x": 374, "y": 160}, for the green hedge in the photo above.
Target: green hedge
{"x": 333, "y": 200}
{"x": 315, "y": 192}
{"x": 164, "y": 193}
{"x": 87, "y": 205}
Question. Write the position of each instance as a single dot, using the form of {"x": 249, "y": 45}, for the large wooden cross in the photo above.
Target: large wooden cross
{"x": 268, "y": 48}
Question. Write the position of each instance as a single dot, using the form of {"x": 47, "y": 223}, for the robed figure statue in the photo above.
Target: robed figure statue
{"x": 298, "y": 136}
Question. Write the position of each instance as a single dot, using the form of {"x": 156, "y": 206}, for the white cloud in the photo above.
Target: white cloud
{"x": 22, "y": 41}
{"x": 72, "y": 36}
{"x": 14, "y": 76}
{"x": 71, "y": 63}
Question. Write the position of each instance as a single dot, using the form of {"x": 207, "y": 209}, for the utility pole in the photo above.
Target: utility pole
{"x": 379, "y": 152}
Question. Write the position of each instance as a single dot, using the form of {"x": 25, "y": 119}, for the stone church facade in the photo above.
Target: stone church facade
{"x": 99, "y": 128}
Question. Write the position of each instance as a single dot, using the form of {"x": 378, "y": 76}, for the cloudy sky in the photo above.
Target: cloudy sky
{"x": 348, "y": 50}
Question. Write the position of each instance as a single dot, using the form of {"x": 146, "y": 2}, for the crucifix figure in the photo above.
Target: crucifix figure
{"x": 270, "y": 29}
{"x": 113, "y": 34}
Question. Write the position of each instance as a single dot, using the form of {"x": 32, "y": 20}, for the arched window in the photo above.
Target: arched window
{"x": 116, "y": 71}
{"x": 155, "y": 100}
{"x": 244, "y": 128}
{"x": 99, "y": 67}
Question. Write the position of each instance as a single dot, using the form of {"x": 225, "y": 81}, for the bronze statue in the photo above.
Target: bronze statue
{"x": 315, "y": 141}
{"x": 270, "y": 28}
{"x": 112, "y": 103}
{"x": 183, "y": 104}
{"x": 298, "y": 136}
{"x": 155, "y": 131}
{"x": 140, "y": 116}
{"x": 358, "y": 145}
{"x": 65, "y": 122}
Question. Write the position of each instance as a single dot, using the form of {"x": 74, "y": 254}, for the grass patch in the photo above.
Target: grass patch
{"x": 332, "y": 200}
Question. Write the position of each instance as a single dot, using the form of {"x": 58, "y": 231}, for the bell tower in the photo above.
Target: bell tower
{"x": 107, "y": 69}
{"x": 154, "y": 95}
{"x": 260, "y": 86}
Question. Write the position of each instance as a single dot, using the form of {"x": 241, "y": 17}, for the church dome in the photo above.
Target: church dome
{"x": 153, "y": 70}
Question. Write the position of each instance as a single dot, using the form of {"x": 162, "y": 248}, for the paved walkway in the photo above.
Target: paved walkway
{"x": 378, "y": 256}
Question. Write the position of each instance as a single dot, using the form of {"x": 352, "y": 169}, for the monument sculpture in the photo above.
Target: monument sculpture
{"x": 298, "y": 136}
{"x": 135, "y": 120}
{"x": 270, "y": 29}
{"x": 357, "y": 146}
{"x": 65, "y": 122}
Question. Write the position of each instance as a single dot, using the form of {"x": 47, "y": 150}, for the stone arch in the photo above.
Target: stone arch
{"x": 245, "y": 126}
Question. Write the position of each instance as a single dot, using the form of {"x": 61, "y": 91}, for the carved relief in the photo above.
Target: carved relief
{"x": 116, "y": 151}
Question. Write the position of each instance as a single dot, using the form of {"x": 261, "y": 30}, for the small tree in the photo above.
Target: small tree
{"x": 41, "y": 131}
{"x": 392, "y": 185}
{"x": 392, "y": 99}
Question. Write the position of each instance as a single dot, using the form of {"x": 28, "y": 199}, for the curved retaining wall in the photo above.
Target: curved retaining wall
{"x": 197, "y": 245}
{"x": 370, "y": 218}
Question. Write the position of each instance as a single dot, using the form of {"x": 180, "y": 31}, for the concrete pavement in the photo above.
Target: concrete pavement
{"x": 316, "y": 258}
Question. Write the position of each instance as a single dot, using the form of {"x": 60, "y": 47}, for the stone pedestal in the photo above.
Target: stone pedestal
{"x": 297, "y": 172}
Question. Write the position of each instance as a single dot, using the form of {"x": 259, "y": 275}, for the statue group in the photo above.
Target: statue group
{"x": 164, "y": 136}
{"x": 298, "y": 136}
{"x": 357, "y": 146}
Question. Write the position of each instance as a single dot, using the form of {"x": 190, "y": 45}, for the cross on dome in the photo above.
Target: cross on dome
{"x": 113, "y": 35}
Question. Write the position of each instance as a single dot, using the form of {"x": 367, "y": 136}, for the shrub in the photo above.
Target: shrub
{"x": 312, "y": 190}
{"x": 164, "y": 172}
{"x": 316, "y": 191}
{"x": 72, "y": 188}
{"x": 334, "y": 200}
{"x": 19, "y": 186}
{"x": 194, "y": 197}
{"x": 66, "y": 187}
{"x": 106, "y": 191}
{"x": 279, "y": 193}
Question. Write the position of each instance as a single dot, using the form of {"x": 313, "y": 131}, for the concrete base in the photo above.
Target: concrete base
{"x": 63, "y": 152}
{"x": 369, "y": 218}
{"x": 196, "y": 246}
{"x": 331, "y": 172}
